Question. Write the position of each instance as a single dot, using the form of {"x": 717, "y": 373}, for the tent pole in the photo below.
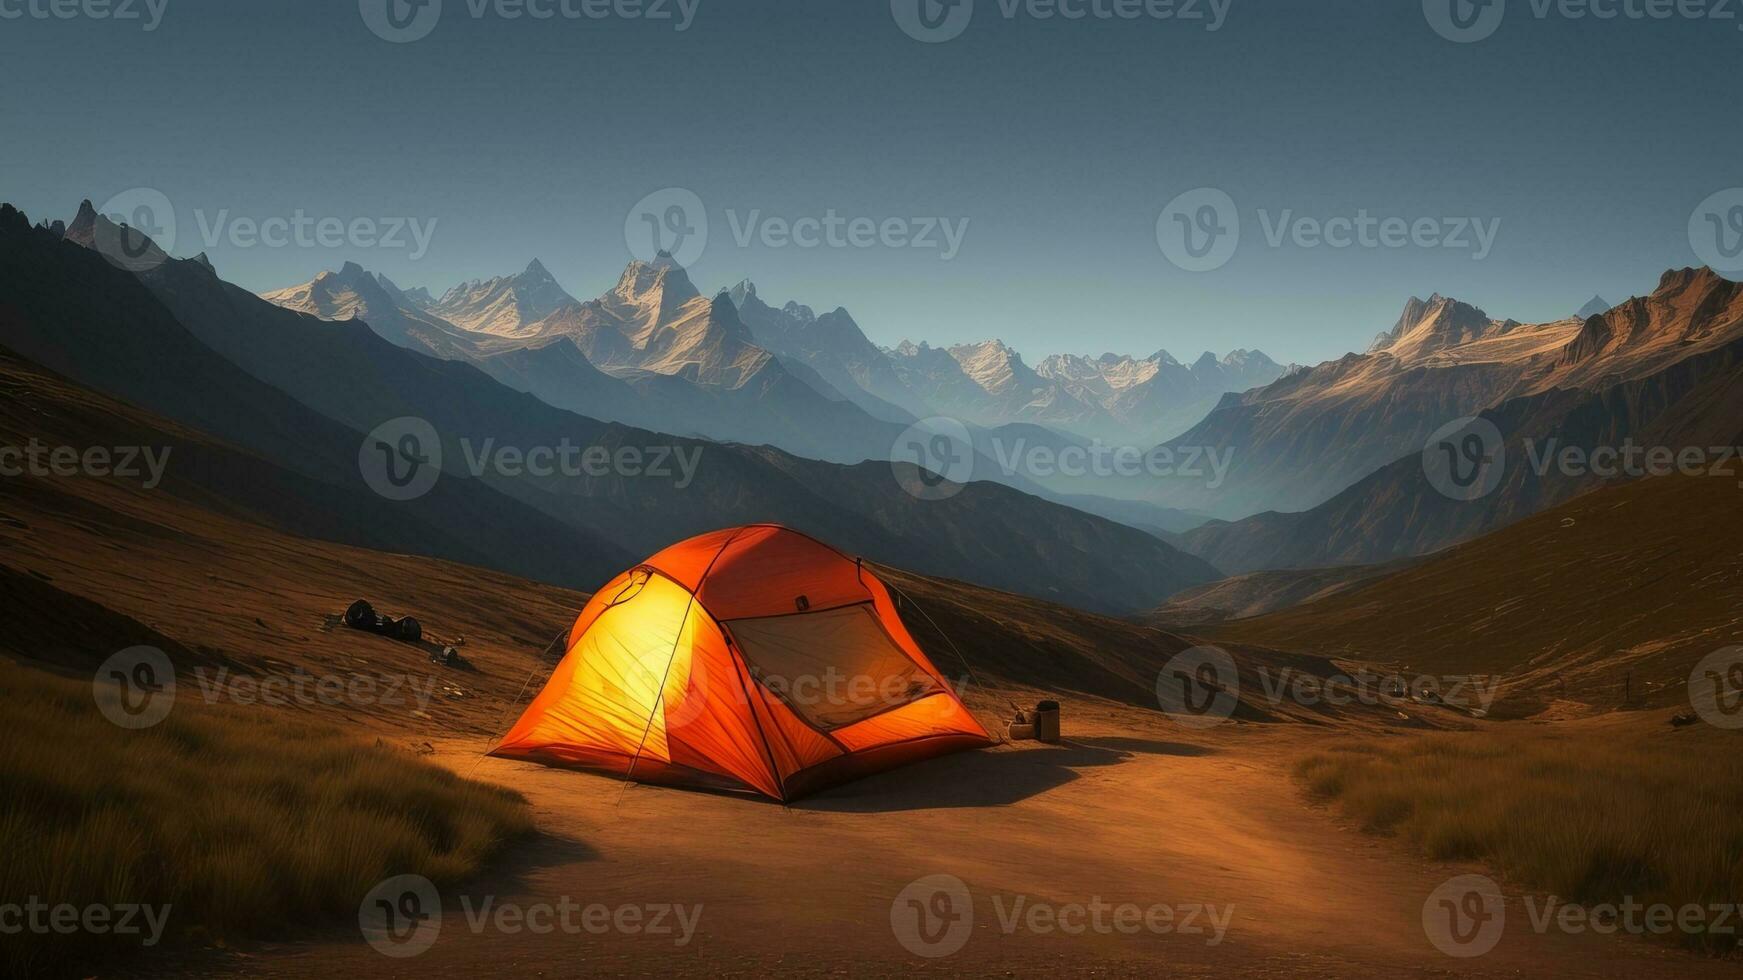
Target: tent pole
{"x": 660, "y": 695}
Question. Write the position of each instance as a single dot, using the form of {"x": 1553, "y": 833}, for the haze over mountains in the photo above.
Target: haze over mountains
{"x": 298, "y": 392}
{"x": 760, "y": 366}
{"x": 1116, "y": 398}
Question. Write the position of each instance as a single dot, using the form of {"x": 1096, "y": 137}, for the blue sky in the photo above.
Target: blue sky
{"x": 1059, "y": 141}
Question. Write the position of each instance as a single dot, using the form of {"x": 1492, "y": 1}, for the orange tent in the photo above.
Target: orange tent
{"x": 754, "y": 658}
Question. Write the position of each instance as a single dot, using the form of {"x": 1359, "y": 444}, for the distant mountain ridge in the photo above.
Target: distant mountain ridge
{"x": 300, "y": 390}
{"x": 1664, "y": 370}
{"x": 654, "y": 321}
{"x": 1308, "y": 436}
{"x": 1118, "y": 399}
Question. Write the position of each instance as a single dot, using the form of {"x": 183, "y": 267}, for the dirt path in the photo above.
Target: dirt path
{"x": 1130, "y": 812}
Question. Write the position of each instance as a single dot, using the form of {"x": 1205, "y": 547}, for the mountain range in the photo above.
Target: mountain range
{"x": 810, "y": 384}
{"x": 1327, "y": 462}
{"x": 1664, "y": 370}
{"x": 1300, "y": 441}
{"x": 296, "y": 392}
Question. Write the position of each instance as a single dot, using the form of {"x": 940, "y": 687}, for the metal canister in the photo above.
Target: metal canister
{"x": 1047, "y": 721}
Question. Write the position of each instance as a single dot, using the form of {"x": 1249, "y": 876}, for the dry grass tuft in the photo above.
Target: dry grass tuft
{"x": 245, "y": 822}
{"x": 1590, "y": 819}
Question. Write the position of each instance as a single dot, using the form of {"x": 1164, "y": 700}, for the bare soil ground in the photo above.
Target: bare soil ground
{"x": 1128, "y": 809}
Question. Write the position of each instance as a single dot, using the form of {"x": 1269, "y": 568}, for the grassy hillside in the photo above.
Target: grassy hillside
{"x": 241, "y": 821}
{"x": 1619, "y": 592}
